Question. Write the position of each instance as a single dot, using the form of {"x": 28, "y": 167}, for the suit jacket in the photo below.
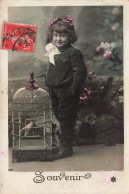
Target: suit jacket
{"x": 69, "y": 70}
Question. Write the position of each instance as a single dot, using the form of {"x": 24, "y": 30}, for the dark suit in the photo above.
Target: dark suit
{"x": 65, "y": 80}
{"x": 69, "y": 70}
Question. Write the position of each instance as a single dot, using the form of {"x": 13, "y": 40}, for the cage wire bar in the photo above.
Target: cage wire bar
{"x": 32, "y": 124}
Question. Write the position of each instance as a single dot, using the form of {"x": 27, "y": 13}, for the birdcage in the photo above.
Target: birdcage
{"x": 31, "y": 124}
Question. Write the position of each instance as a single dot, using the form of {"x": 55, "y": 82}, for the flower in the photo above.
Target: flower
{"x": 97, "y": 49}
{"x": 86, "y": 89}
{"x": 83, "y": 98}
{"x": 89, "y": 92}
{"x": 109, "y": 51}
{"x": 52, "y": 22}
{"x": 107, "y": 46}
{"x": 110, "y": 46}
{"x": 107, "y": 54}
{"x": 102, "y": 45}
{"x": 90, "y": 73}
{"x": 104, "y": 49}
{"x": 102, "y": 87}
{"x": 94, "y": 76}
{"x": 113, "y": 104}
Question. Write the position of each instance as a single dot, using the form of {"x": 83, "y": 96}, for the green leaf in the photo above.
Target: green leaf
{"x": 121, "y": 99}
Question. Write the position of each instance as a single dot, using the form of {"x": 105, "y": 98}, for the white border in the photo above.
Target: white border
{"x": 14, "y": 182}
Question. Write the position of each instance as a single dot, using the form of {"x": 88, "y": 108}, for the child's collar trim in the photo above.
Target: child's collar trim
{"x": 51, "y": 52}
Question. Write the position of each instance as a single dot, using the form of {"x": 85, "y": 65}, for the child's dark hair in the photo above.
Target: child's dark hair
{"x": 61, "y": 25}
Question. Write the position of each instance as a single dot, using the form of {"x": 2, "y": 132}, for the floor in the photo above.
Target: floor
{"x": 85, "y": 158}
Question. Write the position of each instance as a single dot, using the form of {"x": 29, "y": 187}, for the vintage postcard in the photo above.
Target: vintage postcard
{"x": 63, "y": 96}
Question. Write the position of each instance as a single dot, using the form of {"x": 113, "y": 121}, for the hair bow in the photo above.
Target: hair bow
{"x": 68, "y": 20}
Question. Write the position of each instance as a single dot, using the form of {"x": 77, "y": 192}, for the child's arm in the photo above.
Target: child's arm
{"x": 79, "y": 70}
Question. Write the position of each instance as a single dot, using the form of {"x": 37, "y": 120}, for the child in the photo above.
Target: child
{"x": 65, "y": 76}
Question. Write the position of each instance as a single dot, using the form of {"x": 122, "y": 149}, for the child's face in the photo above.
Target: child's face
{"x": 60, "y": 40}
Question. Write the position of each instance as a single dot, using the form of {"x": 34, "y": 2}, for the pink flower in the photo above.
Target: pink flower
{"x": 90, "y": 73}
{"x": 94, "y": 76}
{"x": 97, "y": 49}
{"x": 89, "y": 92}
{"x": 110, "y": 46}
{"x": 106, "y": 55}
{"x": 102, "y": 87}
{"x": 113, "y": 104}
{"x": 86, "y": 89}
{"x": 83, "y": 98}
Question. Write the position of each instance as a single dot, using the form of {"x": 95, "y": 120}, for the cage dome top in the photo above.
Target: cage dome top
{"x": 30, "y": 94}
{"x": 31, "y": 81}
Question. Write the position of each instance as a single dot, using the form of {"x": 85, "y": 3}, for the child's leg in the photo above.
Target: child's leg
{"x": 54, "y": 95}
{"x": 67, "y": 116}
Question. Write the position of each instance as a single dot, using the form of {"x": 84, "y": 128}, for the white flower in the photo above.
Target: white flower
{"x": 107, "y": 45}
{"x": 102, "y": 45}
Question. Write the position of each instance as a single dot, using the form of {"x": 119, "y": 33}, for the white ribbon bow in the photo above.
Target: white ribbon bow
{"x": 51, "y": 51}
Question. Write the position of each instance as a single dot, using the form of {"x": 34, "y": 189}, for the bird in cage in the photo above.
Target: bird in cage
{"x": 32, "y": 129}
{"x": 27, "y": 128}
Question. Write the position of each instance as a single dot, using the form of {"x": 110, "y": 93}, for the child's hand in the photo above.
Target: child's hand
{"x": 69, "y": 93}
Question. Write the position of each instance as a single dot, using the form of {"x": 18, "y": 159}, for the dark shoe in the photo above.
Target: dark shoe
{"x": 64, "y": 153}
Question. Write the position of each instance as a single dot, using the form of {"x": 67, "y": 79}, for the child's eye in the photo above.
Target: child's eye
{"x": 63, "y": 35}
